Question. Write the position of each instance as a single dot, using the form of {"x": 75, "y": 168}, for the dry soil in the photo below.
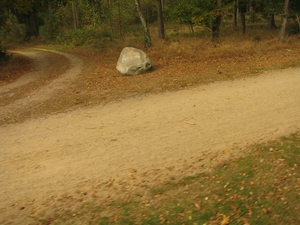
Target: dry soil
{"x": 111, "y": 150}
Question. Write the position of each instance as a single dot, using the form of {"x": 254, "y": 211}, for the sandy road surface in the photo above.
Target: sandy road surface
{"x": 140, "y": 140}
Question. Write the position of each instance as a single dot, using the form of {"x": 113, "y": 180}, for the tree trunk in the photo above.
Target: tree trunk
{"x": 148, "y": 41}
{"x": 216, "y": 29}
{"x": 252, "y": 14}
{"x": 161, "y": 27}
{"x": 75, "y": 14}
{"x": 192, "y": 29}
{"x": 33, "y": 18}
{"x": 217, "y": 23}
{"x": 120, "y": 21}
{"x": 242, "y": 11}
{"x": 284, "y": 20}
{"x": 235, "y": 12}
{"x": 298, "y": 20}
{"x": 110, "y": 17}
{"x": 271, "y": 22}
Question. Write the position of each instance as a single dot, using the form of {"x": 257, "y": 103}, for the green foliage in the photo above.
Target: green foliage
{"x": 51, "y": 27}
{"x": 95, "y": 6}
{"x": 208, "y": 17}
{"x": 3, "y": 14}
{"x": 18, "y": 33}
{"x": 14, "y": 31}
{"x": 53, "y": 18}
{"x": 183, "y": 12}
{"x": 24, "y": 6}
{"x": 64, "y": 13}
{"x": 85, "y": 36}
{"x": 257, "y": 38}
{"x": 121, "y": 17}
{"x": 269, "y": 7}
{"x": 192, "y": 12}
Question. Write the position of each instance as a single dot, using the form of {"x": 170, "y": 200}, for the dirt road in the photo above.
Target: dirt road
{"x": 115, "y": 148}
{"x": 41, "y": 67}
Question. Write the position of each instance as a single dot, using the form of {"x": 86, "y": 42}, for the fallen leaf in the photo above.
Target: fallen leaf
{"x": 225, "y": 186}
{"x": 246, "y": 222}
{"x": 225, "y": 220}
{"x": 181, "y": 214}
{"x": 197, "y": 206}
{"x": 234, "y": 208}
{"x": 131, "y": 170}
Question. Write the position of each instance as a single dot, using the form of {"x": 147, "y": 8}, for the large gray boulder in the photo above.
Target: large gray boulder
{"x": 133, "y": 61}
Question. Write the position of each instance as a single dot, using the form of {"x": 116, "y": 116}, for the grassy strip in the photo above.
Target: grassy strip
{"x": 263, "y": 187}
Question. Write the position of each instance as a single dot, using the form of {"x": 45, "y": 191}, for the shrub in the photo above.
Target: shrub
{"x": 257, "y": 38}
{"x": 51, "y": 27}
{"x": 14, "y": 31}
{"x": 293, "y": 27}
{"x": 18, "y": 34}
{"x": 84, "y": 37}
{"x": 4, "y": 56}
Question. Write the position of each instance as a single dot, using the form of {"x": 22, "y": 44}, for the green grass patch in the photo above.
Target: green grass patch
{"x": 263, "y": 187}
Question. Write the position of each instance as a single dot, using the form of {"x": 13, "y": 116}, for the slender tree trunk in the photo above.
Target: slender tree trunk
{"x": 284, "y": 20}
{"x": 33, "y": 18}
{"x": 120, "y": 21}
{"x": 192, "y": 29}
{"x": 216, "y": 29}
{"x": 217, "y": 23}
{"x": 110, "y": 16}
{"x": 298, "y": 20}
{"x": 75, "y": 14}
{"x": 148, "y": 41}
{"x": 235, "y": 12}
{"x": 242, "y": 11}
{"x": 252, "y": 14}
{"x": 271, "y": 22}
{"x": 161, "y": 27}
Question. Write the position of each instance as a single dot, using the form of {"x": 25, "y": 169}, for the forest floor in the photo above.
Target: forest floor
{"x": 177, "y": 65}
{"x": 73, "y": 130}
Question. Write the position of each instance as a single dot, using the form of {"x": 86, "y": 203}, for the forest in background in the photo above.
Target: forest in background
{"x": 96, "y": 22}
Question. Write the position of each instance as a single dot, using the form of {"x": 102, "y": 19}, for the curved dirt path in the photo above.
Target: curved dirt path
{"x": 40, "y": 64}
{"x": 114, "y": 149}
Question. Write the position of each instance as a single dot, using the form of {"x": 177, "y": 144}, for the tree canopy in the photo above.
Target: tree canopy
{"x": 63, "y": 20}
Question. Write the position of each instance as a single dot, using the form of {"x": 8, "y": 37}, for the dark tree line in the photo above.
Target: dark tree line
{"x": 21, "y": 19}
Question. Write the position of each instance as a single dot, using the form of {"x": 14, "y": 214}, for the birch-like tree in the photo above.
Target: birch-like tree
{"x": 284, "y": 20}
{"x": 148, "y": 42}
